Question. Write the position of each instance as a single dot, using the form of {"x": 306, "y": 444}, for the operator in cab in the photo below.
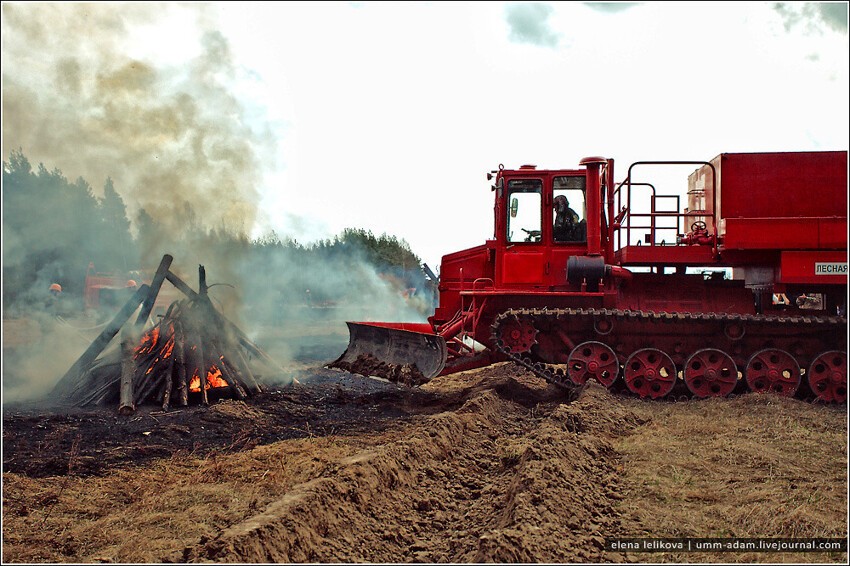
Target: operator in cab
{"x": 566, "y": 228}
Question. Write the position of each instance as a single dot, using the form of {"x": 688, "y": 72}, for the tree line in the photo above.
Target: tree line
{"x": 54, "y": 228}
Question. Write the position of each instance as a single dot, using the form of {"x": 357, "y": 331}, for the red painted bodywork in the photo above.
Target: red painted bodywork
{"x": 766, "y": 218}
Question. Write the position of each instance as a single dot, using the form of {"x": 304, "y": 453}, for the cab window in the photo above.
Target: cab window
{"x": 569, "y": 209}
{"x": 524, "y": 210}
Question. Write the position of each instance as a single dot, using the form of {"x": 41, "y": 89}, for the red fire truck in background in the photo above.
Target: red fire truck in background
{"x": 104, "y": 293}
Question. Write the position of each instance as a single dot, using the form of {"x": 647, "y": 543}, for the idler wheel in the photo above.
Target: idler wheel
{"x": 734, "y": 330}
{"x": 710, "y": 373}
{"x": 773, "y": 370}
{"x": 603, "y": 325}
{"x": 518, "y": 335}
{"x": 593, "y": 360}
{"x": 650, "y": 373}
{"x": 828, "y": 377}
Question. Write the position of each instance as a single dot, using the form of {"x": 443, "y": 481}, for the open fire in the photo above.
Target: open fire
{"x": 191, "y": 351}
{"x": 187, "y": 352}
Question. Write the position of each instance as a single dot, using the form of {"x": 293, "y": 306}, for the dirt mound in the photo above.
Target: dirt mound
{"x": 490, "y": 482}
{"x": 235, "y": 409}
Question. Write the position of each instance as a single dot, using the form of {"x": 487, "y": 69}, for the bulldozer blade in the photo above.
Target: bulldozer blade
{"x": 393, "y": 353}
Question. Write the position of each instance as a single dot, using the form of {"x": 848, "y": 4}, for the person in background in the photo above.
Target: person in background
{"x": 51, "y": 302}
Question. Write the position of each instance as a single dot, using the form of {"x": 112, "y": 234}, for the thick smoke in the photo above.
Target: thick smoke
{"x": 299, "y": 304}
{"x": 186, "y": 155}
{"x": 529, "y": 23}
{"x": 168, "y": 136}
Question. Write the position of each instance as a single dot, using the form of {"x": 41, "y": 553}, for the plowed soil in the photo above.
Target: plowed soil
{"x": 490, "y": 465}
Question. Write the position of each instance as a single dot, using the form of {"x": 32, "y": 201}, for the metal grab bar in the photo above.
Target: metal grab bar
{"x": 653, "y": 214}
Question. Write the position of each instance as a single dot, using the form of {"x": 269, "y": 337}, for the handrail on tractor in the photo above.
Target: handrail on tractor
{"x": 653, "y": 214}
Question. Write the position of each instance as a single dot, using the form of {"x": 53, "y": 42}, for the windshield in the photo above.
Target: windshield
{"x": 524, "y": 210}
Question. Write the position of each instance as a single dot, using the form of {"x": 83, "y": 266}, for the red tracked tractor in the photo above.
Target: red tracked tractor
{"x": 745, "y": 287}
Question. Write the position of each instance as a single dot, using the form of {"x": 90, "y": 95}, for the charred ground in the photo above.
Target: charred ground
{"x": 40, "y": 439}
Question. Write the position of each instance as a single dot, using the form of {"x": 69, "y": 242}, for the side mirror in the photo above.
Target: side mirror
{"x": 514, "y": 207}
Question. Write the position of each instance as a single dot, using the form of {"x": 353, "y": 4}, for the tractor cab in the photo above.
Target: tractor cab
{"x": 542, "y": 219}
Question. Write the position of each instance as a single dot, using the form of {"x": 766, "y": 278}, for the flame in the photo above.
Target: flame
{"x": 168, "y": 348}
{"x": 214, "y": 379}
{"x": 149, "y": 341}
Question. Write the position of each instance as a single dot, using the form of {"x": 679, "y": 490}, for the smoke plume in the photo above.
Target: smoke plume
{"x": 172, "y": 137}
{"x": 185, "y": 153}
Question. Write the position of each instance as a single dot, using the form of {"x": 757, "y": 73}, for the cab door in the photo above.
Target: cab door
{"x": 524, "y": 258}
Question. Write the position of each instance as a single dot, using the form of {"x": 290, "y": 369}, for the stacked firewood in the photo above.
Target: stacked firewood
{"x": 190, "y": 351}
{"x": 184, "y": 353}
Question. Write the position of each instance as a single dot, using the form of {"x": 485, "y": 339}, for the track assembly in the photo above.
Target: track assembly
{"x": 706, "y": 353}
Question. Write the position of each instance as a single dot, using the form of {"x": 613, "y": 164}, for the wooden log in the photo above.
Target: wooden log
{"x": 226, "y": 323}
{"x": 106, "y": 377}
{"x": 181, "y": 285}
{"x": 166, "y": 394}
{"x": 233, "y": 379}
{"x": 202, "y": 281}
{"x": 148, "y": 355}
{"x": 67, "y": 382}
{"x": 245, "y": 370}
{"x": 211, "y": 358}
{"x": 128, "y": 369}
{"x": 203, "y": 315}
{"x": 179, "y": 386}
{"x": 168, "y": 359}
{"x": 202, "y": 374}
{"x": 149, "y": 380}
{"x": 143, "y": 364}
{"x": 180, "y": 361}
{"x": 150, "y": 376}
{"x": 103, "y": 394}
{"x": 158, "y": 278}
{"x": 236, "y": 375}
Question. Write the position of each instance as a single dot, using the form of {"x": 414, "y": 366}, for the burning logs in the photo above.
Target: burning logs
{"x": 185, "y": 353}
{"x": 192, "y": 350}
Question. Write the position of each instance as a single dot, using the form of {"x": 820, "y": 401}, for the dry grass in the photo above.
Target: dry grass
{"x": 145, "y": 514}
{"x": 754, "y": 466}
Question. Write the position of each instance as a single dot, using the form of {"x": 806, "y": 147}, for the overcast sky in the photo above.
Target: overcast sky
{"x": 387, "y": 116}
